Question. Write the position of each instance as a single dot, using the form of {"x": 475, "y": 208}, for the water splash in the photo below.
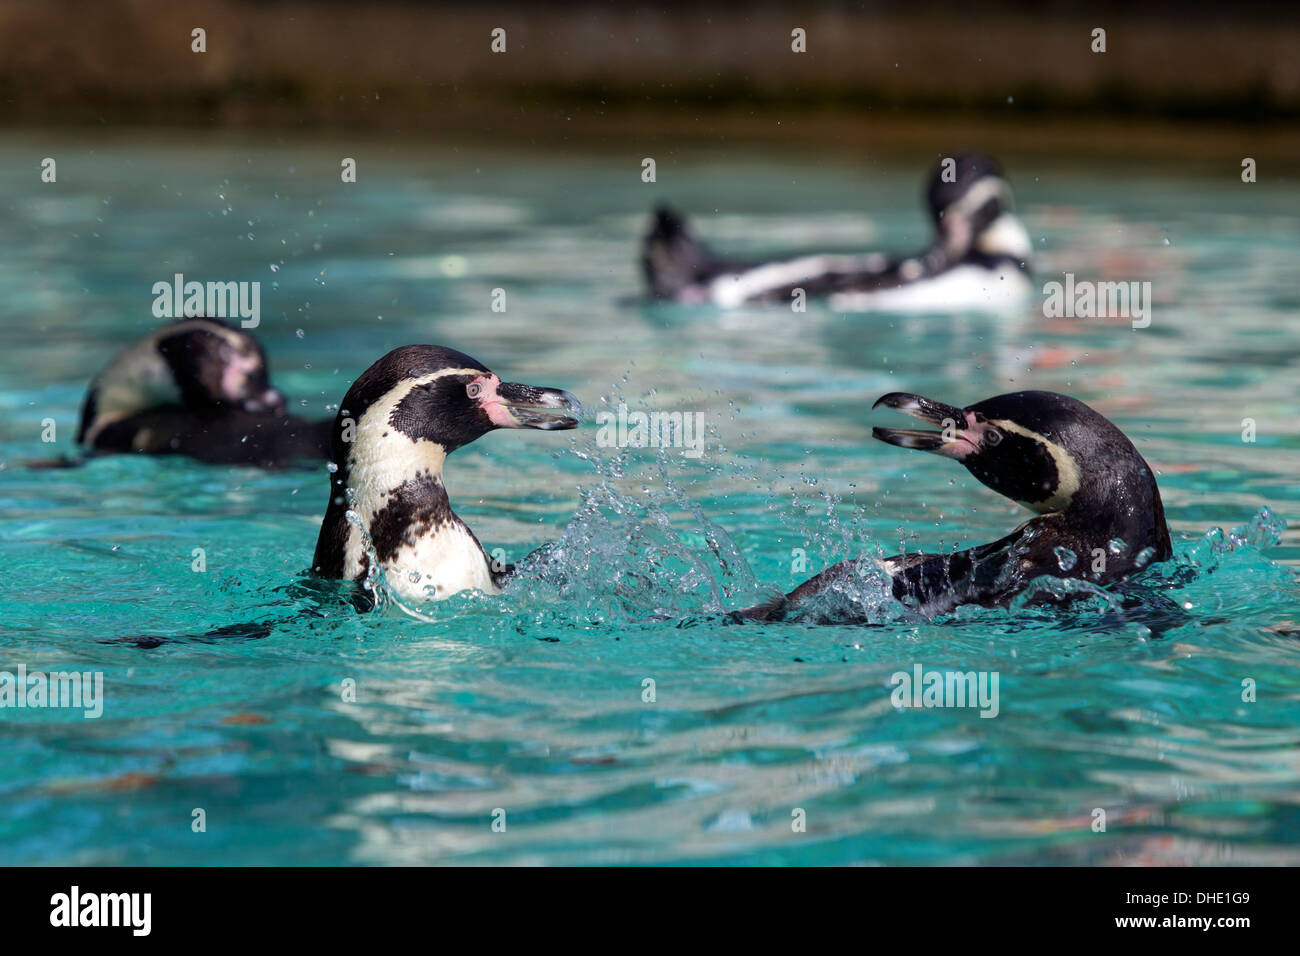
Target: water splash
{"x": 640, "y": 549}
{"x": 1263, "y": 530}
{"x": 626, "y": 557}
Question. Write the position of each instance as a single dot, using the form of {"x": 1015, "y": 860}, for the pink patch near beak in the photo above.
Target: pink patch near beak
{"x": 490, "y": 401}
{"x": 969, "y": 439}
{"x": 961, "y": 442}
{"x": 235, "y": 375}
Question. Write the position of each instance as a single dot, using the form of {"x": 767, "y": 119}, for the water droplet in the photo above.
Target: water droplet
{"x": 1065, "y": 558}
{"x": 1116, "y": 545}
{"x": 332, "y": 467}
{"x": 274, "y": 267}
{"x": 300, "y": 333}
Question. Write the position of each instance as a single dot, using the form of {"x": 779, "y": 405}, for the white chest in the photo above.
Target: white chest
{"x": 961, "y": 289}
{"x": 433, "y": 568}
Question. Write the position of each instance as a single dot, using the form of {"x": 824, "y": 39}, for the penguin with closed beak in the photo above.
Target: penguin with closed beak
{"x": 1099, "y": 516}
{"x": 198, "y": 387}
{"x": 978, "y": 260}
{"x": 394, "y": 430}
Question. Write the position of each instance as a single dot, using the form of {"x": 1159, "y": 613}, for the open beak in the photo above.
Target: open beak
{"x": 954, "y": 440}
{"x": 531, "y": 406}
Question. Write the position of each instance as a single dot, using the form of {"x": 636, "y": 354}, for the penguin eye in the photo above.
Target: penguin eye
{"x": 992, "y": 437}
{"x": 473, "y": 389}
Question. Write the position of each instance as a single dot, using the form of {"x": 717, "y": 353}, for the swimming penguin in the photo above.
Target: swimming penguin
{"x": 196, "y": 387}
{"x": 1099, "y": 513}
{"x": 979, "y": 259}
{"x": 397, "y": 425}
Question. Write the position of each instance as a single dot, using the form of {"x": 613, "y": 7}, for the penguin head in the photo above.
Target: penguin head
{"x": 672, "y": 259}
{"x": 970, "y": 202}
{"x": 205, "y": 366}
{"x": 420, "y": 401}
{"x": 217, "y": 365}
{"x": 1046, "y": 451}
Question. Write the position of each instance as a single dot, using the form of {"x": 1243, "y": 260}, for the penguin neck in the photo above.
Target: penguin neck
{"x": 376, "y": 468}
{"x": 1106, "y": 542}
{"x": 1122, "y": 504}
{"x": 397, "y": 491}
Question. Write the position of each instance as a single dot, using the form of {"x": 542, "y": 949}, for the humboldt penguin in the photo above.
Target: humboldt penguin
{"x": 198, "y": 387}
{"x": 387, "y": 504}
{"x": 1099, "y": 516}
{"x": 979, "y": 259}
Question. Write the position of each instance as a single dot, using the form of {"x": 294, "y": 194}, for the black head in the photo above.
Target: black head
{"x": 967, "y": 194}
{"x": 216, "y": 365}
{"x": 1046, "y": 451}
{"x": 426, "y": 393}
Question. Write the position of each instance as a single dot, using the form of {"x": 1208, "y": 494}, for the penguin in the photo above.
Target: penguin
{"x": 198, "y": 387}
{"x": 1099, "y": 516}
{"x": 394, "y": 430}
{"x": 979, "y": 259}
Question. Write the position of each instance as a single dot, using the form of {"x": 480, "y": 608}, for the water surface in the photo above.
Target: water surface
{"x": 532, "y": 703}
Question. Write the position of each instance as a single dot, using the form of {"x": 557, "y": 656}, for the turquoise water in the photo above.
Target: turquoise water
{"x": 532, "y": 703}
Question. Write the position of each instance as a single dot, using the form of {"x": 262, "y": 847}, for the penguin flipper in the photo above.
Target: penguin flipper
{"x": 770, "y": 611}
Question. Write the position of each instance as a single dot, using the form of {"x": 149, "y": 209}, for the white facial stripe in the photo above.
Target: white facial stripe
{"x": 138, "y": 378}
{"x": 237, "y": 339}
{"x": 1067, "y": 470}
{"x": 233, "y": 337}
{"x": 990, "y": 187}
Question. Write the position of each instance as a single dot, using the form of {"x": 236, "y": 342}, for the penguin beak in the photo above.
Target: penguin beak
{"x": 271, "y": 400}
{"x": 954, "y": 441}
{"x": 532, "y": 406}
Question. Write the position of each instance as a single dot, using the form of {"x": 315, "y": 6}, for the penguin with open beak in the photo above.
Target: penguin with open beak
{"x": 1099, "y": 516}
{"x": 394, "y": 430}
